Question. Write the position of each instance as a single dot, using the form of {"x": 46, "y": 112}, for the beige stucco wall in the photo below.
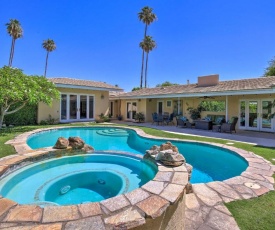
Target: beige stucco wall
{"x": 101, "y": 105}
{"x": 149, "y": 106}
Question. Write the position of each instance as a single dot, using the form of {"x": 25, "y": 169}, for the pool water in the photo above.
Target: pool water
{"x": 210, "y": 163}
{"x": 76, "y": 179}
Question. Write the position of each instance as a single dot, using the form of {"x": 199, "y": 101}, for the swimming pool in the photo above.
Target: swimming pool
{"x": 77, "y": 179}
{"x": 210, "y": 163}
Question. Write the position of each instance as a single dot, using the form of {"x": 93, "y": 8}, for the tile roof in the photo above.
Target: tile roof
{"x": 85, "y": 83}
{"x": 223, "y": 86}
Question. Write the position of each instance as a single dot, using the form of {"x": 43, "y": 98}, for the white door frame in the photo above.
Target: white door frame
{"x": 78, "y": 107}
{"x": 131, "y": 117}
{"x": 258, "y": 121}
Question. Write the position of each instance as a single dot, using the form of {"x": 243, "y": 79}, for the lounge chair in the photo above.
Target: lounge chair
{"x": 230, "y": 125}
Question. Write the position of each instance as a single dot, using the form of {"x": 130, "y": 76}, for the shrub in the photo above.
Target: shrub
{"x": 25, "y": 116}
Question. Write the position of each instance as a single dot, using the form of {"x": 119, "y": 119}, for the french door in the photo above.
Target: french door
{"x": 255, "y": 115}
{"x": 76, "y": 107}
{"x": 131, "y": 109}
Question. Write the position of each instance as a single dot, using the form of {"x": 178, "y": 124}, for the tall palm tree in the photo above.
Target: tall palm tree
{"x": 147, "y": 45}
{"x": 15, "y": 30}
{"x": 49, "y": 46}
{"x": 146, "y": 16}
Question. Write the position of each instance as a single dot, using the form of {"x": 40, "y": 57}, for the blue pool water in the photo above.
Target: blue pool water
{"x": 210, "y": 163}
{"x": 76, "y": 179}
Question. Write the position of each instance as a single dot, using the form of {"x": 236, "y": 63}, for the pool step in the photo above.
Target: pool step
{"x": 113, "y": 132}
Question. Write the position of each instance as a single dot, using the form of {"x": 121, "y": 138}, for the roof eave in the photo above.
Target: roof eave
{"x": 186, "y": 95}
{"x": 59, "y": 85}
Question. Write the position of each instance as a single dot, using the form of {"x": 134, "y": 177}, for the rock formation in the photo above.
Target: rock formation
{"x": 76, "y": 142}
{"x": 61, "y": 143}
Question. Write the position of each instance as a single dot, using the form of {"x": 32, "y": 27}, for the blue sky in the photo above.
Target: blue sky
{"x": 99, "y": 40}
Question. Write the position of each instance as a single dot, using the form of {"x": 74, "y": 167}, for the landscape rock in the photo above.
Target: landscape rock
{"x": 76, "y": 142}
{"x": 61, "y": 143}
{"x": 189, "y": 170}
{"x": 88, "y": 148}
{"x": 168, "y": 145}
{"x": 171, "y": 158}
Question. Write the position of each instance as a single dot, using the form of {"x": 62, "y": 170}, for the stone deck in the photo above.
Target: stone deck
{"x": 205, "y": 207}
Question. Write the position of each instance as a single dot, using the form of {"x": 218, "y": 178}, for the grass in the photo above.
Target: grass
{"x": 257, "y": 213}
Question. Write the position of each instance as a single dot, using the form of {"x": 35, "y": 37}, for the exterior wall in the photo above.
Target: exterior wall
{"x": 172, "y": 218}
{"x": 100, "y": 104}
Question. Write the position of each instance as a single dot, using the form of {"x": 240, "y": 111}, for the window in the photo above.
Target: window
{"x": 168, "y": 103}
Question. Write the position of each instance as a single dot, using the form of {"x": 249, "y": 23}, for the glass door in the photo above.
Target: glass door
{"x": 266, "y": 123}
{"x": 242, "y": 118}
{"x": 73, "y": 107}
{"x": 131, "y": 108}
{"x": 253, "y": 118}
{"x": 83, "y": 107}
{"x": 76, "y": 107}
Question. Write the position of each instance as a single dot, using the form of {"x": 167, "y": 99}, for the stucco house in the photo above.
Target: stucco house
{"x": 80, "y": 100}
{"x": 248, "y": 99}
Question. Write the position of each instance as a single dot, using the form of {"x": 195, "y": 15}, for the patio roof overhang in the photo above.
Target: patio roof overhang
{"x": 190, "y": 95}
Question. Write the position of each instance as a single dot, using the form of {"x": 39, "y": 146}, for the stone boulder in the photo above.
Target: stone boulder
{"x": 170, "y": 158}
{"x": 168, "y": 145}
{"x": 153, "y": 151}
{"x": 88, "y": 148}
{"x": 61, "y": 143}
{"x": 76, "y": 142}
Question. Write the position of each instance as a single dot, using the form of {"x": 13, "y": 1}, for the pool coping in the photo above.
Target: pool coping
{"x": 255, "y": 181}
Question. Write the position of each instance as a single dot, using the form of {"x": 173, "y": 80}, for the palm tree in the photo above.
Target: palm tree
{"x": 15, "y": 30}
{"x": 147, "y": 45}
{"x": 146, "y": 16}
{"x": 49, "y": 46}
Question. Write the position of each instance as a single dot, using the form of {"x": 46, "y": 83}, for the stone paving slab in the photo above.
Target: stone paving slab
{"x": 24, "y": 213}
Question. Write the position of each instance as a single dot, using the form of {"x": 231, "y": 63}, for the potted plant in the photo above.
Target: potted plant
{"x": 139, "y": 117}
{"x": 195, "y": 113}
{"x": 119, "y": 117}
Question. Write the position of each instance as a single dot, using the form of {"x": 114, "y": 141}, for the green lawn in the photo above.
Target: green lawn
{"x": 258, "y": 213}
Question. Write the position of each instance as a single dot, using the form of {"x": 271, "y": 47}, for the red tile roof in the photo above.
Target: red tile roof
{"x": 85, "y": 83}
{"x": 223, "y": 86}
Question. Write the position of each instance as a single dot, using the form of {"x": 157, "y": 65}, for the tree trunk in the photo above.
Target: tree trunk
{"x": 142, "y": 63}
{"x": 141, "y": 76}
{"x": 46, "y": 64}
{"x": 1, "y": 116}
{"x": 146, "y": 69}
{"x": 11, "y": 52}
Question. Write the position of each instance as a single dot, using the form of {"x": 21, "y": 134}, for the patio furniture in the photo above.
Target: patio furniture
{"x": 157, "y": 118}
{"x": 169, "y": 119}
{"x": 203, "y": 124}
{"x": 217, "y": 124}
{"x": 190, "y": 125}
{"x": 229, "y": 126}
{"x": 181, "y": 121}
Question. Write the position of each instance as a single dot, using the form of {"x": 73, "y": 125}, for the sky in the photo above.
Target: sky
{"x": 99, "y": 39}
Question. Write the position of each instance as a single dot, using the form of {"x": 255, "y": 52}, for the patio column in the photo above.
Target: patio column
{"x": 178, "y": 105}
{"x": 226, "y": 108}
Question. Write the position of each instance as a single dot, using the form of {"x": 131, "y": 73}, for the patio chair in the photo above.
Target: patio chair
{"x": 218, "y": 123}
{"x": 229, "y": 126}
{"x": 157, "y": 118}
{"x": 181, "y": 121}
{"x": 169, "y": 119}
